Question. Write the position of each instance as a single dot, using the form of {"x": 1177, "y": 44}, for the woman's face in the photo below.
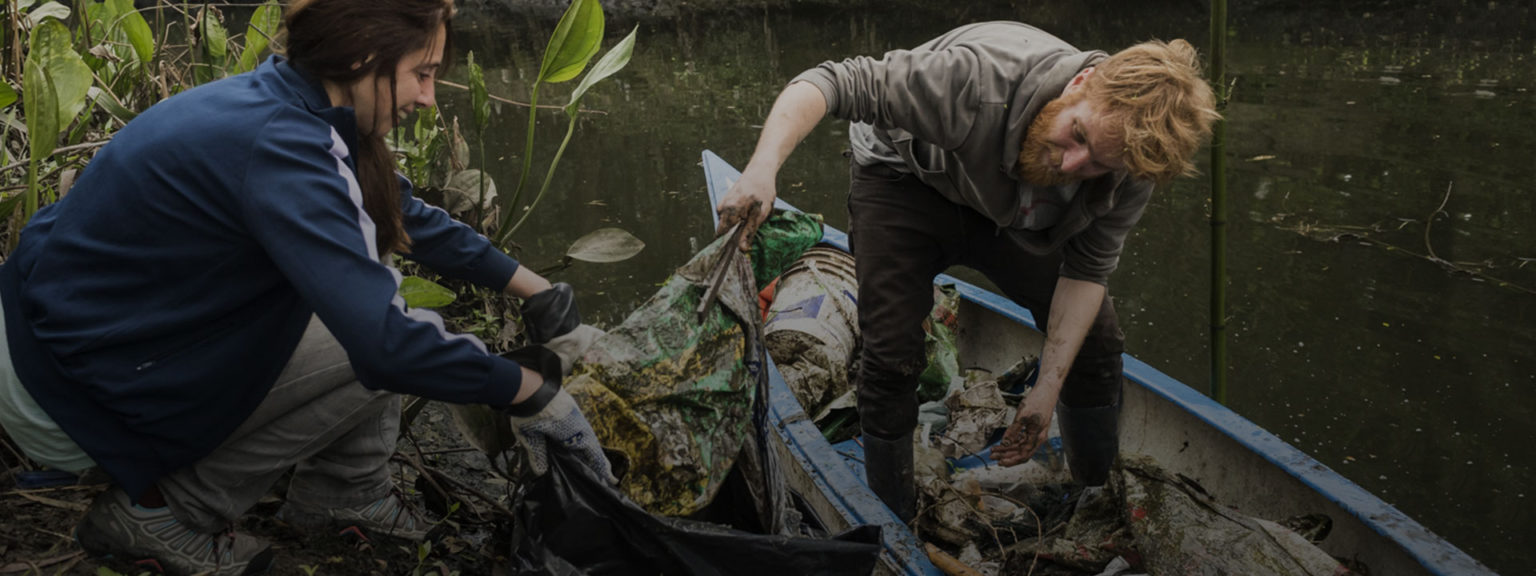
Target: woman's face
{"x": 381, "y": 105}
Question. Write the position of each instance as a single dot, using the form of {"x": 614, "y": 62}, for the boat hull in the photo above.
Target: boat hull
{"x": 1236, "y": 461}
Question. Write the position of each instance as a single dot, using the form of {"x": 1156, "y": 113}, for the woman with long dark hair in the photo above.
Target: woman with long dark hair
{"x": 213, "y": 303}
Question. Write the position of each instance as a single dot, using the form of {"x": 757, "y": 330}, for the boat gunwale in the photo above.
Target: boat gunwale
{"x": 1434, "y": 553}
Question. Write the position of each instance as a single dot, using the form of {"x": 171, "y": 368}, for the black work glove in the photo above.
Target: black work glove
{"x": 550, "y": 314}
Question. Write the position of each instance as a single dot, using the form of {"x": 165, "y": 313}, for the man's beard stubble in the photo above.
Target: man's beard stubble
{"x": 1035, "y": 162}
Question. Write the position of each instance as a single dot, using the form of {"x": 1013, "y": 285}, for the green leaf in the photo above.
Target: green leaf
{"x": 71, "y": 78}
{"x": 574, "y": 42}
{"x": 136, "y": 29}
{"x": 605, "y": 245}
{"x": 612, "y": 62}
{"x": 215, "y": 38}
{"x": 419, "y": 292}
{"x": 9, "y": 204}
{"x": 7, "y": 94}
{"x": 113, "y": 107}
{"x": 479, "y": 98}
{"x": 49, "y": 10}
{"x": 42, "y": 108}
{"x": 258, "y": 35}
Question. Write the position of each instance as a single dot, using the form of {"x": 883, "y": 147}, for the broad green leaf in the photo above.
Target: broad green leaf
{"x": 479, "y": 98}
{"x": 258, "y": 35}
{"x": 615, "y": 60}
{"x": 606, "y": 245}
{"x": 136, "y": 29}
{"x": 574, "y": 42}
{"x": 69, "y": 75}
{"x": 116, "y": 109}
{"x": 42, "y": 108}
{"x": 419, "y": 292}
{"x": 215, "y": 38}
{"x": 7, "y": 94}
{"x": 49, "y": 10}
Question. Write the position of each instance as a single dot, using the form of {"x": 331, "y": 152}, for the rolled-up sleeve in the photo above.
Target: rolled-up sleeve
{"x": 932, "y": 94}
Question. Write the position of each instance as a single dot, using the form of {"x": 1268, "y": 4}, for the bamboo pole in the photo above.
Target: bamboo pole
{"x": 1219, "y": 204}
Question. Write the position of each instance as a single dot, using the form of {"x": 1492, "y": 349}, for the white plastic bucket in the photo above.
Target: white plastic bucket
{"x": 812, "y": 329}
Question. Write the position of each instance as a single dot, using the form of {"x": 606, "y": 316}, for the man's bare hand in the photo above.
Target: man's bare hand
{"x": 1028, "y": 431}
{"x": 749, "y": 202}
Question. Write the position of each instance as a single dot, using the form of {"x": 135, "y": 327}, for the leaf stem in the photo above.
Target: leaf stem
{"x": 548, "y": 176}
{"x": 522, "y": 179}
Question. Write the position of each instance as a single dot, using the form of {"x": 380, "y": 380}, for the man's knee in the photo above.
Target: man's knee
{"x": 888, "y": 396}
{"x": 1093, "y": 381}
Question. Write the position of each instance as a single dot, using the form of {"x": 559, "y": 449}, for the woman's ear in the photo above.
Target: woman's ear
{"x": 364, "y": 62}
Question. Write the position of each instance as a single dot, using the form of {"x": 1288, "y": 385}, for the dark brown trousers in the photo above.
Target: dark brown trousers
{"x": 905, "y": 233}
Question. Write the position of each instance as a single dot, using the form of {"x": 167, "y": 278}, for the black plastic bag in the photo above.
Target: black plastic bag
{"x": 569, "y": 523}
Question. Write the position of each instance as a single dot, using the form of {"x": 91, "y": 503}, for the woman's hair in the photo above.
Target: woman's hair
{"x": 1153, "y": 95}
{"x": 327, "y": 39}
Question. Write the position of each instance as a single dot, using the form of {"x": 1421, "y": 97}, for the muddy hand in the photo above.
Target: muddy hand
{"x": 1028, "y": 430}
{"x": 749, "y": 202}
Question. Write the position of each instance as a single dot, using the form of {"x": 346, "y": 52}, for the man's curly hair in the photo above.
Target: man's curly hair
{"x": 1154, "y": 96}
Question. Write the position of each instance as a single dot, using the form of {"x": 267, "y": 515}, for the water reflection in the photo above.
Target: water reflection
{"x": 1348, "y": 127}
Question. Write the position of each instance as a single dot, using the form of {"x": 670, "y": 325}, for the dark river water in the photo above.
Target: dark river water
{"x": 1349, "y": 128}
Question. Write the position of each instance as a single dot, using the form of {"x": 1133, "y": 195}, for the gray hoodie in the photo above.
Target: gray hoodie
{"x": 954, "y": 112}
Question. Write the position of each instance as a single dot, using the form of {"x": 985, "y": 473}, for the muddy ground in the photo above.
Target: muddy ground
{"x": 36, "y": 526}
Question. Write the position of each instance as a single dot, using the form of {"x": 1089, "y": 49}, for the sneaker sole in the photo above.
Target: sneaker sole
{"x": 97, "y": 544}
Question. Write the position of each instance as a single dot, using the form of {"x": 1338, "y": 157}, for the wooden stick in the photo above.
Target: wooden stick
{"x": 720, "y": 270}
{"x": 949, "y": 564}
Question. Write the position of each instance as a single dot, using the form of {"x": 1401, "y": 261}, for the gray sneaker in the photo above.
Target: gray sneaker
{"x": 388, "y": 516}
{"x": 153, "y": 538}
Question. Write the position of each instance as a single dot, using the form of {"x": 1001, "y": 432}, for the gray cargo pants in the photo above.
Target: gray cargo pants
{"x": 317, "y": 418}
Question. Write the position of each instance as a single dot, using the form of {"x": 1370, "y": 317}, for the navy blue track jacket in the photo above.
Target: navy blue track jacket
{"x": 151, "y": 309}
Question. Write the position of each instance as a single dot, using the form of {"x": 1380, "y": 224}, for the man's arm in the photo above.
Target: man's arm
{"x": 796, "y": 111}
{"x": 1073, "y": 307}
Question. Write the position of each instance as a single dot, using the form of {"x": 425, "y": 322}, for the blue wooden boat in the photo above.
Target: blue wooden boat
{"x": 1238, "y": 462}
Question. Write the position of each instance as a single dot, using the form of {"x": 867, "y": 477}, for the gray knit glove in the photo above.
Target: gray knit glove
{"x": 560, "y": 425}
{"x": 550, "y": 419}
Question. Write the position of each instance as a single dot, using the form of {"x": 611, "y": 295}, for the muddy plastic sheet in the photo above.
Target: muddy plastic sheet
{"x": 569, "y": 523}
{"x": 780, "y": 241}
{"x": 672, "y": 398}
{"x": 1181, "y": 530}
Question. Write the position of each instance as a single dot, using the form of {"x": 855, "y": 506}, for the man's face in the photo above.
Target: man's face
{"x": 380, "y": 106}
{"x": 1067, "y": 143}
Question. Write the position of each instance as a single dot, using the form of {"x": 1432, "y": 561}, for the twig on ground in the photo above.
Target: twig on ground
{"x": 57, "y": 151}
{"x": 421, "y": 467}
{"x": 46, "y": 501}
{"x": 38, "y": 565}
{"x": 1430, "y": 222}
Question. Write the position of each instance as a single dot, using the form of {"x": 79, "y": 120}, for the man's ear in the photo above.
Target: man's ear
{"x": 1078, "y": 81}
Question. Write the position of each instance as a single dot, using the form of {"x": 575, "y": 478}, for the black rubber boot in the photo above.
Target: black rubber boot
{"x": 1092, "y": 439}
{"x": 888, "y": 467}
